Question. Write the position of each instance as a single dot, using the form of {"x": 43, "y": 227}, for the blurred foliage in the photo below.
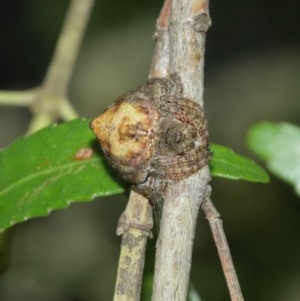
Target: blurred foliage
{"x": 278, "y": 145}
{"x": 252, "y": 74}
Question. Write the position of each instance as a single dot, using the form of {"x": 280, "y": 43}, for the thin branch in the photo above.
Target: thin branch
{"x": 221, "y": 243}
{"x": 39, "y": 121}
{"x": 18, "y": 98}
{"x": 164, "y": 16}
{"x": 67, "y": 111}
{"x": 61, "y": 67}
{"x": 49, "y": 101}
{"x": 188, "y": 23}
{"x": 52, "y": 102}
{"x": 128, "y": 284}
{"x": 135, "y": 226}
{"x": 160, "y": 65}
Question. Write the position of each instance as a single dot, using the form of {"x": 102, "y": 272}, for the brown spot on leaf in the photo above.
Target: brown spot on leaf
{"x": 84, "y": 153}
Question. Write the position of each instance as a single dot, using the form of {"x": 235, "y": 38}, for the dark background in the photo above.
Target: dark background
{"x": 252, "y": 74}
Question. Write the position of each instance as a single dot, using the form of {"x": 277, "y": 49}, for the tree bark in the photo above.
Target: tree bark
{"x": 188, "y": 23}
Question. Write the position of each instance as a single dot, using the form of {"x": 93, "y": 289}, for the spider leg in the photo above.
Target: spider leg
{"x": 179, "y": 166}
{"x": 153, "y": 188}
{"x": 183, "y": 109}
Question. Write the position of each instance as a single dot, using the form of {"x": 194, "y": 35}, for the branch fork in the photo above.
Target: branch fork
{"x": 180, "y": 41}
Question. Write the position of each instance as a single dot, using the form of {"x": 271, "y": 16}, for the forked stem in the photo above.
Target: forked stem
{"x": 132, "y": 269}
{"x": 49, "y": 101}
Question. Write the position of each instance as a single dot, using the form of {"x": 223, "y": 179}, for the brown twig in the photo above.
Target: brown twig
{"x": 128, "y": 283}
{"x": 161, "y": 56}
{"x": 135, "y": 226}
{"x": 164, "y": 16}
{"x": 180, "y": 38}
{"x": 221, "y": 243}
{"x": 188, "y": 23}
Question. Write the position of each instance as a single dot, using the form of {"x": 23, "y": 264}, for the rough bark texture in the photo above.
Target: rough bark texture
{"x": 135, "y": 226}
{"x": 188, "y": 23}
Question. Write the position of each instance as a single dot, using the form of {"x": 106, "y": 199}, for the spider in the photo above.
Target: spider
{"x": 153, "y": 135}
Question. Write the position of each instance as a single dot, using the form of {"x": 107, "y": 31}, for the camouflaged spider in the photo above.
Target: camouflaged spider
{"x": 153, "y": 135}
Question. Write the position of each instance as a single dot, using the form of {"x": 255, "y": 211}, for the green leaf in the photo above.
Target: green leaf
{"x": 227, "y": 164}
{"x": 43, "y": 172}
{"x": 193, "y": 295}
{"x": 278, "y": 144}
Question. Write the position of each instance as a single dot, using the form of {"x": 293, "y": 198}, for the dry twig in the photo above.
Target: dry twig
{"x": 135, "y": 226}
{"x": 189, "y": 20}
{"x": 180, "y": 40}
{"x": 221, "y": 243}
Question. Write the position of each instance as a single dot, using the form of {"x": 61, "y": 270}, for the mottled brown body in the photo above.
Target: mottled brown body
{"x": 153, "y": 135}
